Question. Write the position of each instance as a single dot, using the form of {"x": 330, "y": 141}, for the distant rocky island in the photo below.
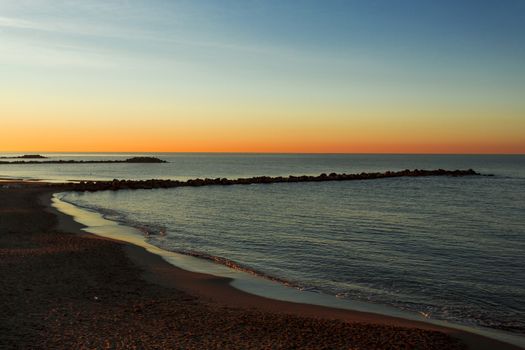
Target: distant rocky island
{"x": 26, "y": 156}
{"x": 129, "y": 160}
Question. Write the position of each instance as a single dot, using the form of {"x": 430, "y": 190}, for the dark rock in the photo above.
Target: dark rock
{"x": 144, "y": 160}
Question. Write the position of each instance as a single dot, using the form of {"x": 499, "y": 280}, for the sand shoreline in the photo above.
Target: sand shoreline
{"x": 211, "y": 293}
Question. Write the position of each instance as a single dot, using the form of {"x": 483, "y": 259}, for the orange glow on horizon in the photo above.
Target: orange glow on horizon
{"x": 258, "y": 140}
{"x": 274, "y": 129}
{"x": 92, "y": 141}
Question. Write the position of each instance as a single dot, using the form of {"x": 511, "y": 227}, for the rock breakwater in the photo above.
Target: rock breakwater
{"x": 157, "y": 183}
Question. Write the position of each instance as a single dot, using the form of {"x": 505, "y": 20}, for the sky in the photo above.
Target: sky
{"x": 369, "y": 76}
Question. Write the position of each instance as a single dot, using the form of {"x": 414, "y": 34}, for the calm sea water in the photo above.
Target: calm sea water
{"x": 452, "y": 248}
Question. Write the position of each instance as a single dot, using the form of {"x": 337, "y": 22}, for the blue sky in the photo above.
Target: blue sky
{"x": 342, "y": 41}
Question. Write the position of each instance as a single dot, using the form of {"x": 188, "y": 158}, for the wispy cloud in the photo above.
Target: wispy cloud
{"x": 64, "y": 27}
{"x": 63, "y": 42}
{"x": 17, "y": 23}
{"x": 61, "y": 26}
{"x": 73, "y": 39}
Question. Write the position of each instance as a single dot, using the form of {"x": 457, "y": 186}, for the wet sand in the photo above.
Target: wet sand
{"x": 64, "y": 289}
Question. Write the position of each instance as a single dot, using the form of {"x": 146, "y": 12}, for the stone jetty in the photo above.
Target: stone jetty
{"x": 156, "y": 183}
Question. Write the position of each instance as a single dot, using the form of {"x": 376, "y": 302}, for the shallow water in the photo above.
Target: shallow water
{"x": 451, "y": 248}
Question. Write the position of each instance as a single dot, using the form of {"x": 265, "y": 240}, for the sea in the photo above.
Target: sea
{"x": 445, "y": 248}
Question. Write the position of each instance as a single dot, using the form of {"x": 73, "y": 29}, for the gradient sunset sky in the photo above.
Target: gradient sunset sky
{"x": 391, "y": 76}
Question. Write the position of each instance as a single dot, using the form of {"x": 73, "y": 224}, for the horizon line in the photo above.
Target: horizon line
{"x": 263, "y": 152}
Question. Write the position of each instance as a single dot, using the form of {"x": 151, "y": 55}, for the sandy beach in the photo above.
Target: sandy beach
{"x": 65, "y": 289}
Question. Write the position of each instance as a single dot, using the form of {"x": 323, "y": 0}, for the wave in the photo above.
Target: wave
{"x": 239, "y": 267}
{"x": 150, "y": 230}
